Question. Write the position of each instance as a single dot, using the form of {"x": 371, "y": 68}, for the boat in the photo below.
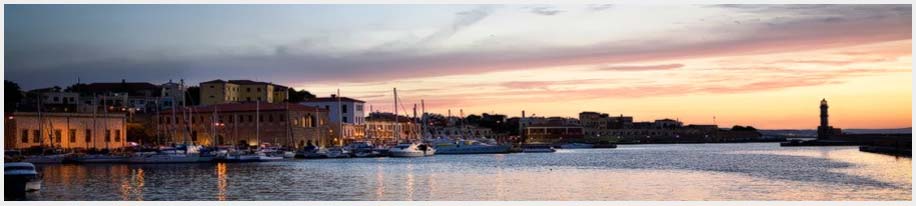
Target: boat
{"x": 538, "y": 149}
{"x": 337, "y": 152}
{"x": 102, "y": 158}
{"x": 577, "y": 146}
{"x": 470, "y": 147}
{"x": 19, "y": 178}
{"x": 362, "y": 149}
{"x": 239, "y": 156}
{"x": 411, "y": 150}
{"x": 166, "y": 156}
{"x": 45, "y": 159}
{"x": 312, "y": 152}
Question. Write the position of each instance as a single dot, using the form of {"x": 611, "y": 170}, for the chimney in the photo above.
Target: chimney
{"x": 333, "y": 96}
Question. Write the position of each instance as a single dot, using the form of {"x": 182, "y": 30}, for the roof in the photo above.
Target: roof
{"x": 333, "y": 99}
{"x": 131, "y": 86}
{"x": 242, "y": 82}
{"x": 249, "y": 107}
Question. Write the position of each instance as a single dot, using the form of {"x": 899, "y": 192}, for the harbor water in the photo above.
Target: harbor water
{"x": 751, "y": 171}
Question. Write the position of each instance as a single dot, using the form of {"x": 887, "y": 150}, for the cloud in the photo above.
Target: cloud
{"x": 462, "y": 20}
{"x": 642, "y": 67}
{"x": 291, "y": 66}
{"x": 599, "y": 7}
{"x": 546, "y": 11}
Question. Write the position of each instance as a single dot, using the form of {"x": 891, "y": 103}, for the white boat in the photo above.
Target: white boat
{"x": 289, "y": 154}
{"x": 470, "y": 147}
{"x": 577, "y": 146}
{"x": 362, "y": 149}
{"x": 19, "y": 179}
{"x": 337, "y": 152}
{"x": 165, "y": 157}
{"x": 411, "y": 150}
{"x": 240, "y": 157}
{"x": 538, "y": 149}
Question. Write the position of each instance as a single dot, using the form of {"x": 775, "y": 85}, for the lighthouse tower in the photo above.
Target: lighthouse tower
{"x": 824, "y": 130}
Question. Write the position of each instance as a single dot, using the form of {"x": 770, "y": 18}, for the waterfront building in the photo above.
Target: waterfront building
{"x": 66, "y": 130}
{"x": 347, "y": 116}
{"x": 221, "y": 92}
{"x": 251, "y": 124}
{"x": 465, "y": 131}
{"x": 173, "y": 94}
{"x": 122, "y": 96}
{"x": 381, "y": 128}
{"x": 594, "y": 122}
{"x": 552, "y": 132}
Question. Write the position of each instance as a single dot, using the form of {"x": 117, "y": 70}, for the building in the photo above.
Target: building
{"x": 172, "y": 95}
{"x": 551, "y": 133}
{"x": 466, "y": 131}
{"x": 825, "y": 131}
{"x": 251, "y": 124}
{"x": 593, "y": 122}
{"x": 221, "y": 92}
{"x": 350, "y": 115}
{"x": 138, "y": 97}
{"x": 385, "y": 128}
{"x": 66, "y": 130}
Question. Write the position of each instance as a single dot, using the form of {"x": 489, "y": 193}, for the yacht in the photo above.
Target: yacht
{"x": 166, "y": 156}
{"x": 20, "y": 178}
{"x": 411, "y": 150}
{"x": 470, "y": 147}
{"x": 337, "y": 152}
{"x": 45, "y": 159}
{"x": 576, "y": 146}
{"x": 362, "y": 149}
{"x": 538, "y": 149}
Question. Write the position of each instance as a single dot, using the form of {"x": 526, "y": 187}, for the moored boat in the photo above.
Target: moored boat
{"x": 411, "y": 150}
{"x": 576, "y": 146}
{"x": 20, "y": 178}
{"x": 470, "y": 147}
{"x": 538, "y": 149}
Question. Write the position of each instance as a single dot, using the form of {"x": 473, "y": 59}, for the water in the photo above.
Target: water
{"x": 758, "y": 171}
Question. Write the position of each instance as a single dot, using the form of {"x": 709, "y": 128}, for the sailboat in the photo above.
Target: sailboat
{"x": 407, "y": 149}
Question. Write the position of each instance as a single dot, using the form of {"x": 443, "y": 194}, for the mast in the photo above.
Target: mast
{"x": 257, "y": 123}
{"x": 414, "y": 120}
{"x": 41, "y": 136}
{"x": 423, "y": 118}
{"x": 339, "y": 118}
{"x": 397, "y": 127}
{"x": 289, "y": 138}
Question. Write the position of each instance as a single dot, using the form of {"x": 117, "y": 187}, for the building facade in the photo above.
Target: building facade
{"x": 382, "y": 128}
{"x": 347, "y": 116}
{"x": 66, "y": 130}
{"x": 173, "y": 95}
{"x": 220, "y": 92}
{"x": 251, "y": 124}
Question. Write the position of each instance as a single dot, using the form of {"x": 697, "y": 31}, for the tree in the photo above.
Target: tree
{"x": 740, "y": 128}
{"x": 299, "y": 96}
{"x": 12, "y": 93}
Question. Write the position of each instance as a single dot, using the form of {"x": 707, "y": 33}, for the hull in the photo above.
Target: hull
{"x": 406, "y": 154}
{"x": 538, "y": 150}
{"x": 102, "y": 159}
{"x": 473, "y": 150}
{"x": 269, "y": 158}
{"x": 163, "y": 159}
{"x": 241, "y": 158}
{"x": 577, "y": 146}
{"x": 48, "y": 159}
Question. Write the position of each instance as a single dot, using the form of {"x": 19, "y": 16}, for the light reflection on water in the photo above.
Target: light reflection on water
{"x": 759, "y": 171}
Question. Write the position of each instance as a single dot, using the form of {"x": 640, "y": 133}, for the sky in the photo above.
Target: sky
{"x": 762, "y": 65}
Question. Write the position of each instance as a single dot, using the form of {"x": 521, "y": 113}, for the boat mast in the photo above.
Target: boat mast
{"x": 423, "y": 118}
{"x": 339, "y": 119}
{"x": 397, "y": 127}
{"x": 257, "y": 120}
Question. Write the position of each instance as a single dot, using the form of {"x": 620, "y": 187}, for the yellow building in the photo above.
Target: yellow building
{"x": 66, "y": 130}
{"x": 220, "y": 91}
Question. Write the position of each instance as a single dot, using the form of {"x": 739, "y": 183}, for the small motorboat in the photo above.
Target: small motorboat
{"x": 337, "y": 152}
{"x": 538, "y": 149}
{"x": 20, "y": 178}
{"x": 411, "y": 150}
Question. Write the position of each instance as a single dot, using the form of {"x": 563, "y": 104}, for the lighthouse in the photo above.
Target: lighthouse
{"x": 824, "y": 130}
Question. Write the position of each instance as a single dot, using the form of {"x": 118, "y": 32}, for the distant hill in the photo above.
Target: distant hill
{"x": 813, "y": 133}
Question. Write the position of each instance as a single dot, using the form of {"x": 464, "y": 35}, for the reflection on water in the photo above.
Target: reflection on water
{"x": 761, "y": 171}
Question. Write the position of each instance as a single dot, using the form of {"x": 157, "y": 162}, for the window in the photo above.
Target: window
{"x": 25, "y": 136}
{"x": 37, "y": 135}
{"x": 261, "y": 118}
{"x": 345, "y": 119}
{"x": 57, "y": 135}
{"x": 259, "y": 89}
{"x": 270, "y": 118}
{"x": 259, "y": 98}
{"x": 72, "y": 135}
{"x": 250, "y": 118}
{"x": 107, "y": 135}
{"x": 282, "y": 118}
{"x": 118, "y": 135}
{"x": 230, "y": 119}
{"x": 211, "y": 86}
{"x": 88, "y": 135}
{"x": 247, "y": 89}
{"x": 248, "y": 99}
{"x": 343, "y": 109}
{"x": 211, "y": 97}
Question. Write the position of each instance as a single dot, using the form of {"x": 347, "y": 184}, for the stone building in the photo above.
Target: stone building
{"x": 221, "y": 92}
{"x": 278, "y": 124}
{"x": 65, "y": 130}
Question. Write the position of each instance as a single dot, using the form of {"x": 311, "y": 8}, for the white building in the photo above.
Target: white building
{"x": 172, "y": 94}
{"x": 350, "y": 115}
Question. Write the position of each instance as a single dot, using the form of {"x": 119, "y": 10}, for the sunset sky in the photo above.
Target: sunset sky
{"x": 761, "y": 65}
